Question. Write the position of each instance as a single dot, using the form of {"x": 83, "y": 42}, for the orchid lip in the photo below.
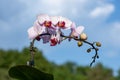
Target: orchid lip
{"x": 53, "y": 42}
{"x": 47, "y": 23}
{"x": 61, "y": 24}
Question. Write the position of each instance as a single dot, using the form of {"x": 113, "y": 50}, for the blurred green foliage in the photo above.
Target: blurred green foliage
{"x": 67, "y": 71}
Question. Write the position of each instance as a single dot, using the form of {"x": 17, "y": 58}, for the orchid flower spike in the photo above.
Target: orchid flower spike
{"x": 49, "y": 29}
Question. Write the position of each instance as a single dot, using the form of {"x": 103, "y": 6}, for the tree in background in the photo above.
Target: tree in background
{"x": 99, "y": 72}
{"x": 118, "y": 77}
{"x": 67, "y": 71}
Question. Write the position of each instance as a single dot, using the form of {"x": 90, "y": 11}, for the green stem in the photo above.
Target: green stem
{"x": 32, "y": 51}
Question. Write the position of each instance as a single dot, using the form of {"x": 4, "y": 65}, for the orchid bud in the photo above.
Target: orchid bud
{"x": 83, "y": 36}
{"x": 97, "y": 56}
{"x": 98, "y": 44}
{"x": 88, "y": 50}
{"x": 80, "y": 43}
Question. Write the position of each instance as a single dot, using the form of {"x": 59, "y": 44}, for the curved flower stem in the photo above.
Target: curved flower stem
{"x": 32, "y": 51}
{"x": 96, "y": 52}
{"x": 91, "y": 44}
{"x": 32, "y": 48}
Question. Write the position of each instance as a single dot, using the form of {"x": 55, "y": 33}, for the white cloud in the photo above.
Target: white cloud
{"x": 52, "y": 3}
{"x": 114, "y": 33}
{"x": 102, "y": 11}
{"x": 109, "y": 34}
{"x": 75, "y": 10}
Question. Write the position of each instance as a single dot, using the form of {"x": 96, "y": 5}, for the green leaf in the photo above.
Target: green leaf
{"x": 24, "y": 72}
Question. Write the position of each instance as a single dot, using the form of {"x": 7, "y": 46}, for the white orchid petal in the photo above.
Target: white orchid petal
{"x": 79, "y": 29}
{"x": 31, "y": 33}
{"x": 58, "y": 36}
{"x": 42, "y": 18}
{"x": 38, "y": 28}
{"x": 68, "y": 24}
{"x": 54, "y": 19}
{"x": 73, "y": 26}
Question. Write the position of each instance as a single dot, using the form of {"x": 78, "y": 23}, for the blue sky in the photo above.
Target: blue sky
{"x": 101, "y": 19}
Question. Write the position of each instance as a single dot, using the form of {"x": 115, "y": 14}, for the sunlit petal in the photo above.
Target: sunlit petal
{"x": 79, "y": 29}
{"x": 38, "y": 28}
{"x": 42, "y": 18}
{"x": 31, "y": 33}
{"x": 54, "y": 19}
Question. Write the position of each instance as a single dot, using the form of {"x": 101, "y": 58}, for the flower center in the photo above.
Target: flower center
{"x": 61, "y": 24}
{"x": 47, "y": 23}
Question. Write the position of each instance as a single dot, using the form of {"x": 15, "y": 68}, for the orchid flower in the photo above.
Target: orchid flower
{"x": 44, "y": 20}
{"x": 60, "y": 22}
{"x": 64, "y": 23}
{"x": 44, "y": 25}
{"x": 76, "y": 31}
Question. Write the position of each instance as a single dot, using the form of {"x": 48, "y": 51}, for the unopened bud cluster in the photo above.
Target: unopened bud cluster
{"x": 83, "y": 37}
